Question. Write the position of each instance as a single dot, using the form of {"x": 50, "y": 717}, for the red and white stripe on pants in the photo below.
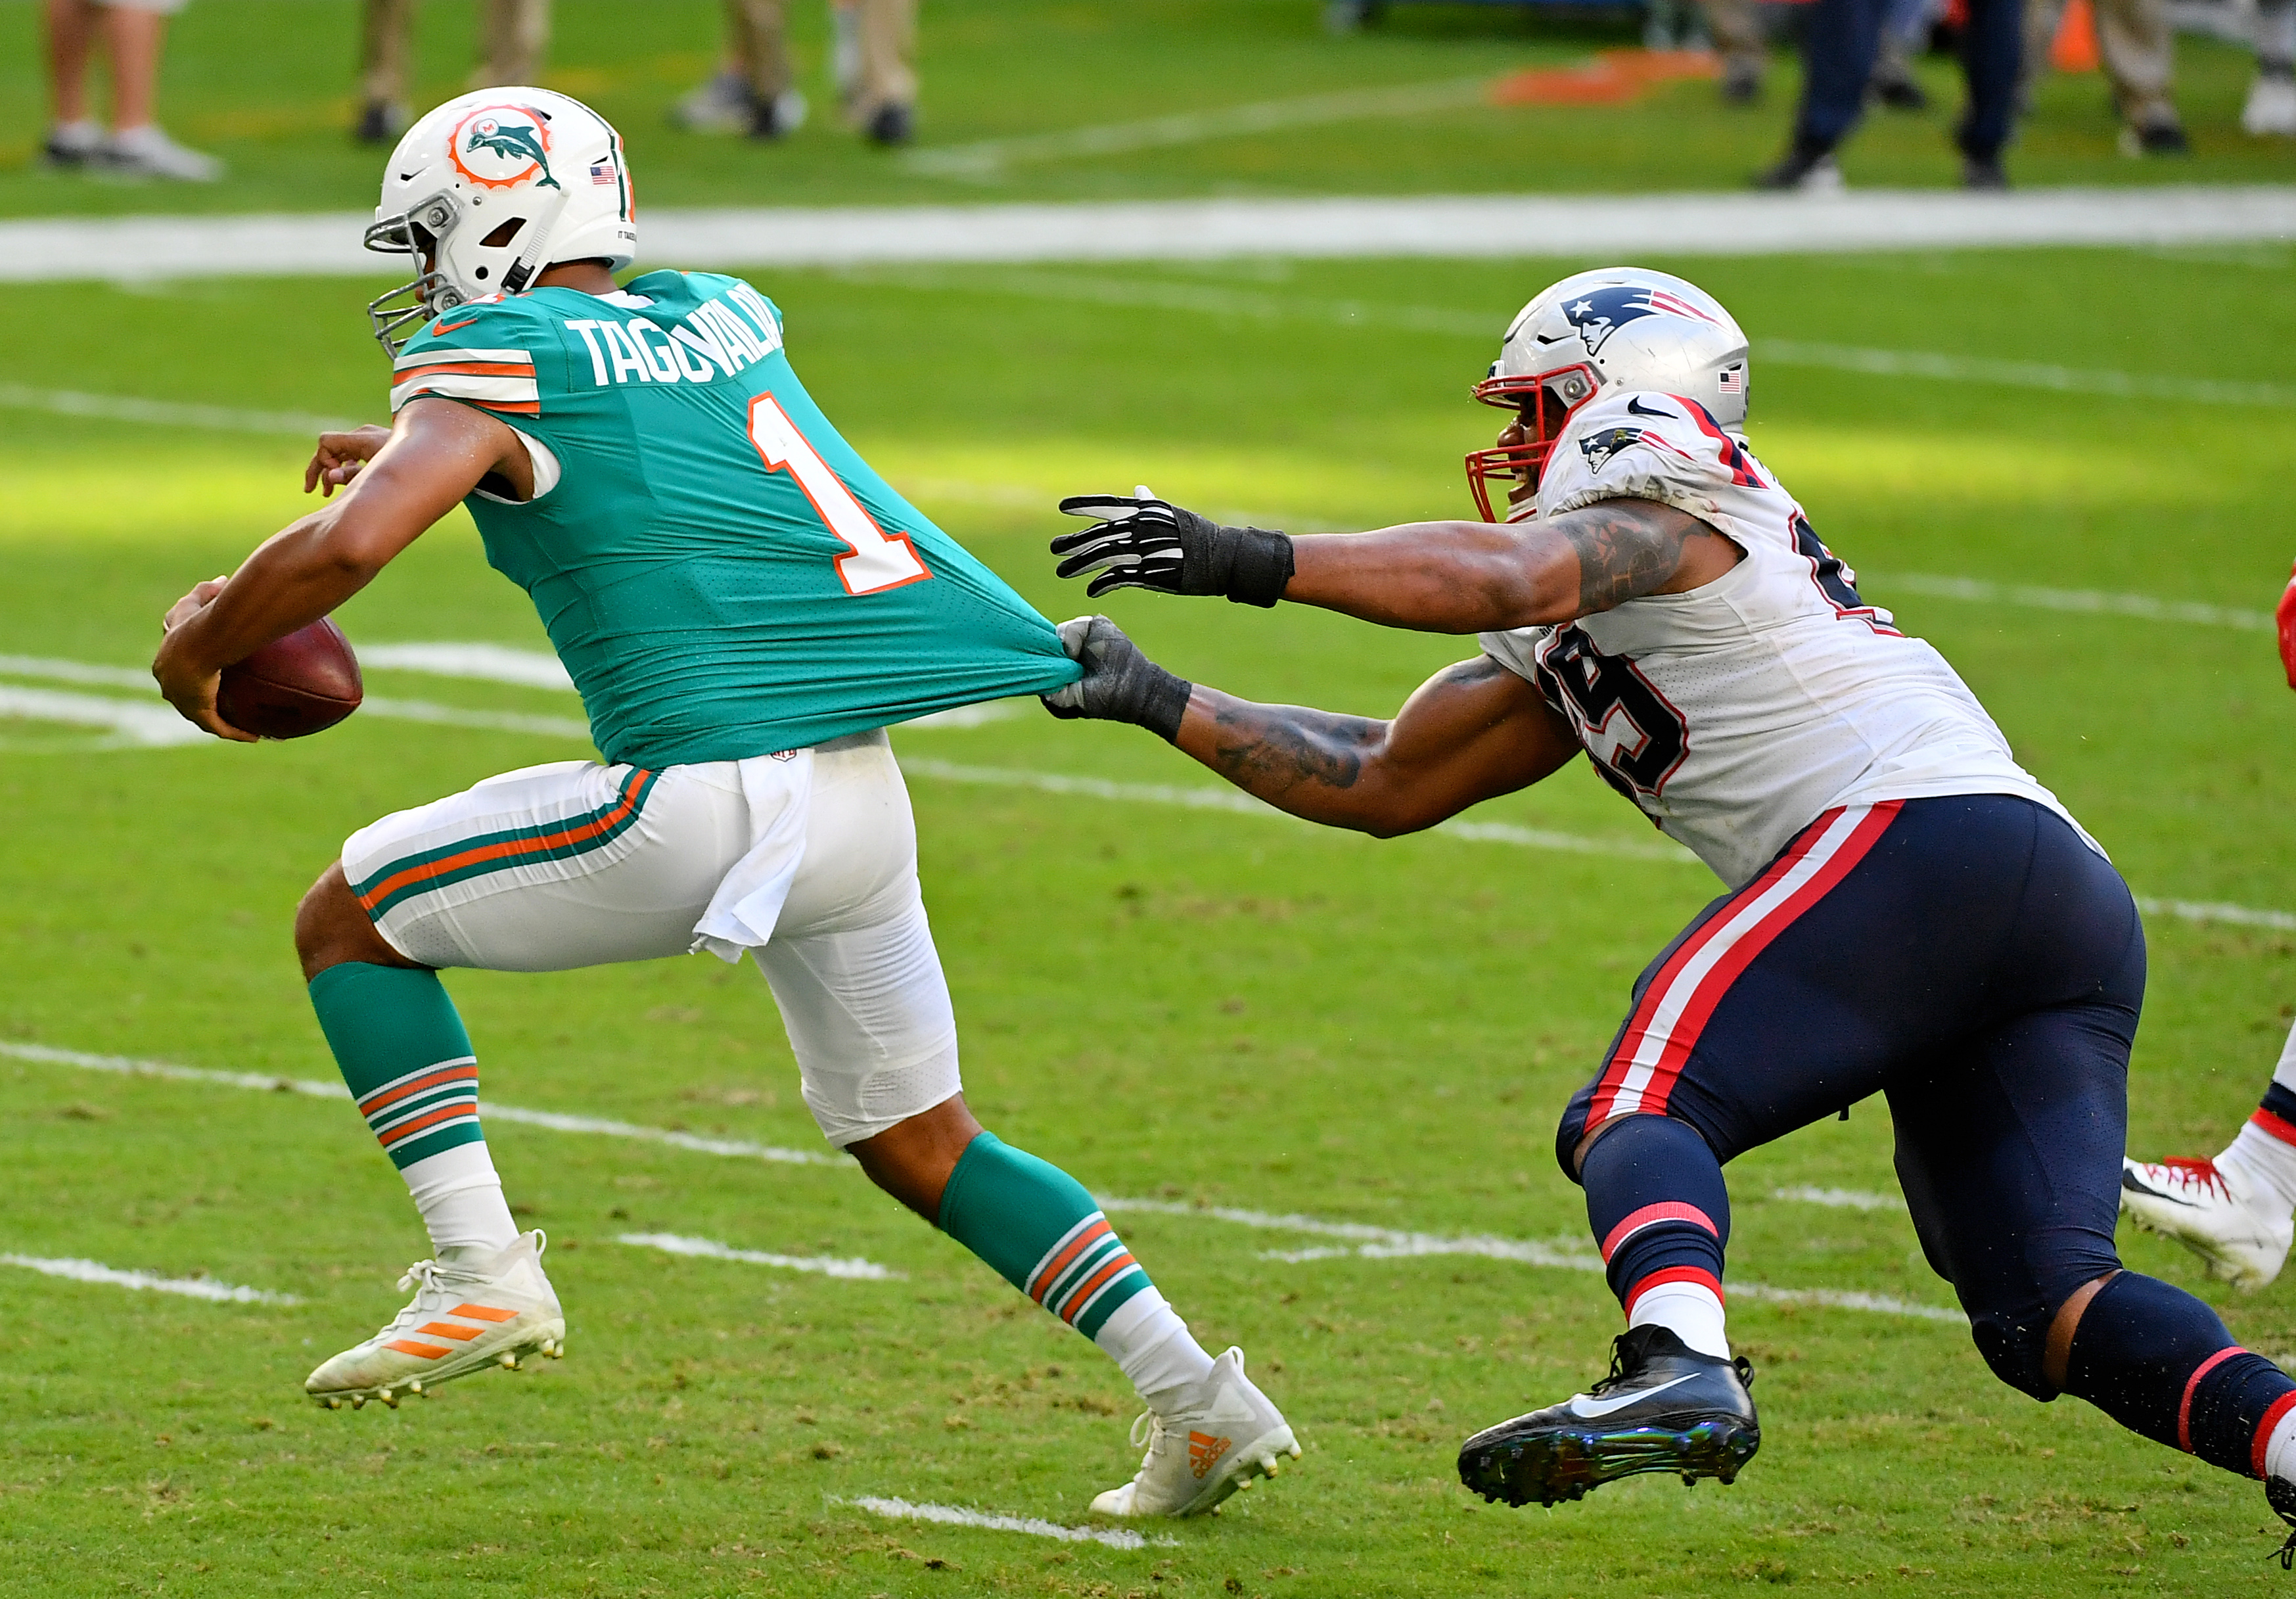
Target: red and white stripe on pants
{"x": 1674, "y": 1010}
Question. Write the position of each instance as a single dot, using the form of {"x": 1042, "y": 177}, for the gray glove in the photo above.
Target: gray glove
{"x": 1143, "y": 542}
{"x": 1119, "y": 683}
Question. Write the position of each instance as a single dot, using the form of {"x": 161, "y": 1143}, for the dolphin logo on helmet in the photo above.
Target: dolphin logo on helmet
{"x": 513, "y": 141}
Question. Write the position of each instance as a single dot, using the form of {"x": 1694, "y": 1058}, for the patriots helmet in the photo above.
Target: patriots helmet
{"x": 1614, "y": 327}
{"x": 491, "y": 189}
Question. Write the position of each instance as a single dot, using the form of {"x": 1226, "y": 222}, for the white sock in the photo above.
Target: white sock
{"x": 2280, "y": 1454}
{"x": 1153, "y": 1347}
{"x": 462, "y": 1203}
{"x": 2266, "y": 1164}
{"x": 1691, "y": 1311}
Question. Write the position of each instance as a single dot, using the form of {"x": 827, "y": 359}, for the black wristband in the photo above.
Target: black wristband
{"x": 1163, "y": 702}
{"x": 1250, "y": 565}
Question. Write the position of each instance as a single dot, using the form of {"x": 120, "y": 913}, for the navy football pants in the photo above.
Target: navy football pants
{"x": 1969, "y": 958}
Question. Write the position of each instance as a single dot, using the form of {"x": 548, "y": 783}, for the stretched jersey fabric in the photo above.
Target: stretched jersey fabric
{"x": 722, "y": 576}
{"x": 1737, "y": 714}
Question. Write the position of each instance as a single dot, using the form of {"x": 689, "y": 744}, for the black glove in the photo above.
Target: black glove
{"x": 1142, "y": 542}
{"x": 1119, "y": 683}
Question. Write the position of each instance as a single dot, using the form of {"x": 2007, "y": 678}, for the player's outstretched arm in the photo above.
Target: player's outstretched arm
{"x": 437, "y": 452}
{"x": 1429, "y": 576}
{"x": 1472, "y": 731}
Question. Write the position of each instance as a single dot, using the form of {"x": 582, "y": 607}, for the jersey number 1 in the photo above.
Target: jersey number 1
{"x": 879, "y": 560}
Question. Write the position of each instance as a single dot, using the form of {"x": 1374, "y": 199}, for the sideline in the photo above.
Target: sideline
{"x": 1453, "y": 226}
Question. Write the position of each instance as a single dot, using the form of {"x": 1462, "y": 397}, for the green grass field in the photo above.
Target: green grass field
{"x": 1196, "y": 1006}
{"x": 268, "y": 84}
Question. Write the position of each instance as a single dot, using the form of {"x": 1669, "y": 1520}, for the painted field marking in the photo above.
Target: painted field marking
{"x": 953, "y": 1515}
{"x": 168, "y": 413}
{"x": 492, "y": 1110}
{"x": 2088, "y": 601}
{"x": 133, "y": 724}
{"x": 1840, "y": 1199}
{"x": 91, "y": 709}
{"x": 987, "y": 159}
{"x": 1388, "y": 1244}
{"x": 1436, "y": 227}
{"x": 1369, "y": 315}
{"x": 196, "y": 1288}
{"x": 1370, "y": 1242}
{"x": 827, "y": 1266}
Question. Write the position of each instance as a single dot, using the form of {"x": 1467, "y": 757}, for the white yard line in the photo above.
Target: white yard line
{"x": 1386, "y": 1244}
{"x": 1456, "y": 227}
{"x": 827, "y": 1266}
{"x": 953, "y": 1515}
{"x": 152, "y": 727}
{"x": 1261, "y": 305}
{"x": 167, "y": 413}
{"x": 493, "y": 1111}
{"x": 987, "y": 160}
{"x": 2090, "y": 602}
{"x": 1840, "y": 1199}
{"x": 197, "y": 1288}
{"x": 143, "y": 725}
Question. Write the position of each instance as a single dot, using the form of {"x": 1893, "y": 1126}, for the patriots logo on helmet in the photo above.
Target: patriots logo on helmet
{"x": 1599, "y": 448}
{"x": 511, "y": 141}
{"x": 1599, "y": 314}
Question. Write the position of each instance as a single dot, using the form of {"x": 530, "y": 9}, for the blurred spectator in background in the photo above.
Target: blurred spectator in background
{"x": 514, "y": 34}
{"x": 134, "y": 31}
{"x": 1744, "y": 47}
{"x": 2271, "y": 109}
{"x": 1840, "y": 46}
{"x": 753, "y": 93}
{"x": 2137, "y": 49}
{"x": 1905, "y": 34}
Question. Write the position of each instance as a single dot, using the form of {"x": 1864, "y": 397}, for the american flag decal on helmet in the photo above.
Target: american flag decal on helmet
{"x": 603, "y": 172}
{"x": 1732, "y": 380}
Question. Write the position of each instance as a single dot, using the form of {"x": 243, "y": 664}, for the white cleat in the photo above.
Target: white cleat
{"x": 463, "y": 1319}
{"x": 2271, "y": 109}
{"x": 2209, "y": 1209}
{"x": 148, "y": 153}
{"x": 1224, "y": 1432}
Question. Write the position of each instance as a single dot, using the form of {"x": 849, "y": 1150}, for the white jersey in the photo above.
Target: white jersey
{"x": 1737, "y": 714}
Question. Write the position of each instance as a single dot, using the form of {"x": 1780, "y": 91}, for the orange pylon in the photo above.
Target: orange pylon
{"x": 2074, "y": 49}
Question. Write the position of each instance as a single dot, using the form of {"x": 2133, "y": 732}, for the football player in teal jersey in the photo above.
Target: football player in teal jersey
{"x": 745, "y": 606}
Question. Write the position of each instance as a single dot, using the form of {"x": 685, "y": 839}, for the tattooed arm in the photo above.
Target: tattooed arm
{"x": 1482, "y": 577}
{"x": 1472, "y": 731}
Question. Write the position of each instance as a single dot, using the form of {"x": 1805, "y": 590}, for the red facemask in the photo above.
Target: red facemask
{"x": 1545, "y": 404}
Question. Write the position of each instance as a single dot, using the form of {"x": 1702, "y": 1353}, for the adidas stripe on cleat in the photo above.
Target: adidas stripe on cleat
{"x": 1221, "y": 1434}
{"x": 461, "y": 1320}
{"x": 1664, "y": 1407}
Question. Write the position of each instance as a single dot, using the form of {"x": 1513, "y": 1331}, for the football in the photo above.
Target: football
{"x": 294, "y": 686}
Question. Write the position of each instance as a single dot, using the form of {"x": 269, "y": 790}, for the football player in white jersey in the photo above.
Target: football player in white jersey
{"x": 2238, "y": 1212}
{"x": 1908, "y": 912}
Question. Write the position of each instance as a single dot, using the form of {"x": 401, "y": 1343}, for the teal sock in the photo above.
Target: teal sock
{"x": 1042, "y": 1232}
{"x": 404, "y": 1053}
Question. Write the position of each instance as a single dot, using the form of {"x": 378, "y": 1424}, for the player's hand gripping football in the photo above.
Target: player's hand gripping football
{"x": 1119, "y": 683}
{"x": 1143, "y": 542}
{"x": 340, "y": 456}
{"x": 194, "y": 696}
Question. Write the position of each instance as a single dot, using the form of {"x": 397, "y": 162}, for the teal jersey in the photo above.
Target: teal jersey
{"x": 721, "y": 573}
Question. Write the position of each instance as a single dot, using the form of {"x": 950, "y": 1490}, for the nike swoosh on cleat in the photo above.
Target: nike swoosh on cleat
{"x": 1588, "y": 1409}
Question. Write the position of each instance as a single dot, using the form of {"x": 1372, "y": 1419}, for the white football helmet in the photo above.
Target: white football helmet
{"x": 491, "y": 188}
{"x": 1616, "y": 326}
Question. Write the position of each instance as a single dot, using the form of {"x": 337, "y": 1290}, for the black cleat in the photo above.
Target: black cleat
{"x": 1664, "y": 1407}
{"x": 2281, "y": 1494}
